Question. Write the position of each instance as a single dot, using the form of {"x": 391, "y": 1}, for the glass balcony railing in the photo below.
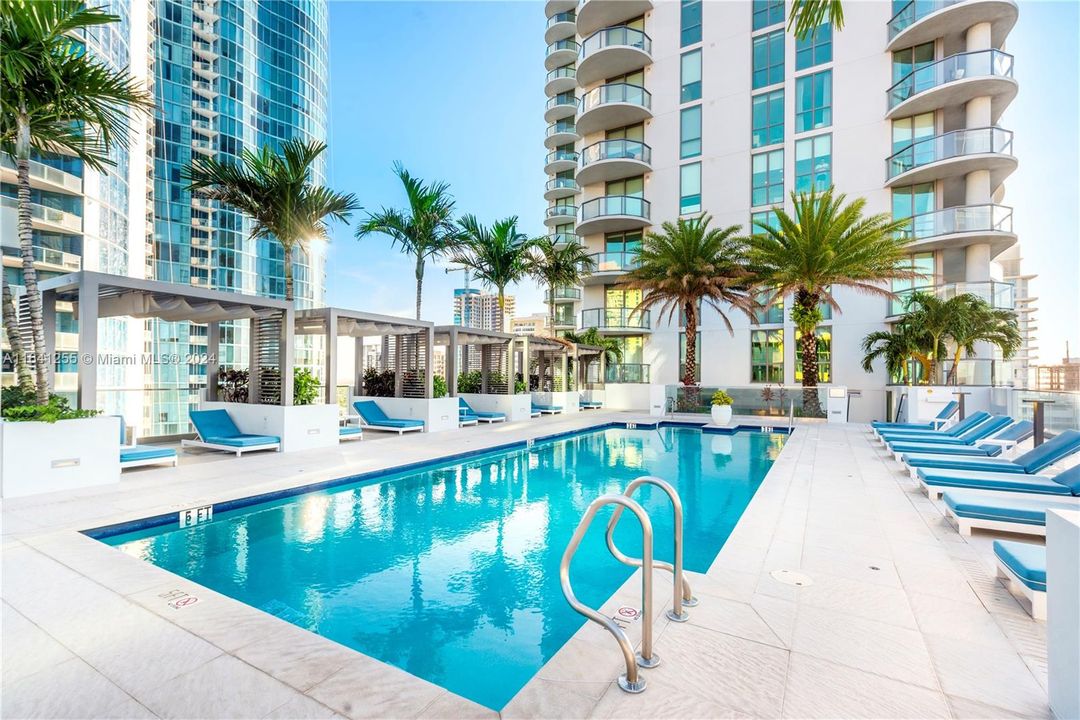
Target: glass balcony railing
{"x": 618, "y": 373}
{"x": 621, "y": 36}
{"x": 567, "y": 71}
{"x": 616, "y": 150}
{"x": 562, "y": 184}
{"x": 615, "y": 93}
{"x": 960, "y": 219}
{"x": 68, "y": 221}
{"x": 49, "y": 174}
{"x": 615, "y": 319}
{"x": 963, "y": 66}
{"x": 564, "y": 238}
{"x": 562, "y": 100}
{"x": 564, "y": 293}
{"x": 913, "y": 12}
{"x": 957, "y": 143}
{"x": 619, "y": 261}
{"x": 999, "y": 295}
{"x": 562, "y": 211}
{"x": 556, "y": 155}
{"x": 615, "y": 205}
{"x": 568, "y": 16}
{"x": 563, "y": 45}
{"x": 562, "y": 126}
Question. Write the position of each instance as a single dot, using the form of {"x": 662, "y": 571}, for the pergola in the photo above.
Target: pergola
{"x": 100, "y": 295}
{"x": 407, "y": 347}
{"x": 489, "y": 351}
{"x": 550, "y": 358}
{"x": 584, "y": 356}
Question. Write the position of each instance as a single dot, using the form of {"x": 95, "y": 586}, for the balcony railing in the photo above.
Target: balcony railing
{"x": 615, "y": 93}
{"x": 619, "y": 261}
{"x": 960, "y": 219}
{"x": 69, "y": 221}
{"x": 615, "y": 319}
{"x": 615, "y": 205}
{"x": 616, "y": 150}
{"x": 566, "y": 71}
{"x": 563, "y": 45}
{"x": 49, "y": 174}
{"x": 556, "y": 155}
{"x": 562, "y": 100}
{"x": 562, "y": 183}
{"x": 963, "y": 66}
{"x": 562, "y": 126}
{"x": 913, "y": 12}
{"x": 562, "y": 211}
{"x": 619, "y": 35}
{"x": 564, "y": 238}
{"x": 618, "y": 373}
{"x": 568, "y": 16}
{"x": 958, "y": 143}
{"x": 999, "y": 295}
{"x": 57, "y": 258}
{"x": 564, "y": 293}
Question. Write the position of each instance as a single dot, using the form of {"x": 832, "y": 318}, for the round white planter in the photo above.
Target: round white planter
{"x": 721, "y": 414}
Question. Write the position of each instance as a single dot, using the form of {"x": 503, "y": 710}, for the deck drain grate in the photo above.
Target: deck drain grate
{"x": 791, "y": 577}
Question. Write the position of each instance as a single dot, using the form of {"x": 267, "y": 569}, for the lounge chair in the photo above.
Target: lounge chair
{"x": 590, "y": 404}
{"x": 533, "y": 412}
{"x": 546, "y": 409}
{"x": 139, "y": 455}
{"x": 215, "y": 430}
{"x": 466, "y": 419}
{"x": 994, "y": 424}
{"x": 485, "y": 417}
{"x": 1024, "y": 565}
{"x": 993, "y": 446}
{"x": 972, "y": 509}
{"x": 1029, "y": 463}
{"x": 942, "y": 417}
{"x": 373, "y": 418}
{"x": 350, "y": 432}
{"x": 936, "y": 482}
{"x": 968, "y": 423}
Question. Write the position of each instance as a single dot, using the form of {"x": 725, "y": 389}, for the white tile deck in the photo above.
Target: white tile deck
{"x": 903, "y": 617}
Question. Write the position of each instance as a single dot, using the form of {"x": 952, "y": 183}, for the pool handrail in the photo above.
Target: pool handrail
{"x": 683, "y": 597}
{"x": 630, "y": 682}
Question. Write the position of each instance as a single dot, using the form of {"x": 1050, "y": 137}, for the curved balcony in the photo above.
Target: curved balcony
{"x": 560, "y": 80}
{"x": 608, "y": 266}
{"x": 551, "y": 7}
{"x": 612, "y": 51}
{"x": 45, "y": 218}
{"x": 923, "y": 21}
{"x": 42, "y": 176}
{"x": 953, "y": 81}
{"x": 560, "y": 161}
{"x": 564, "y": 238}
{"x": 560, "y": 187}
{"x": 595, "y": 14}
{"x": 962, "y": 225}
{"x": 560, "y": 107}
{"x": 563, "y": 295}
{"x": 999, "y": 295}
{"x": 562, "y": 132}
{"x": 560, "y": 214}
{"x": 612, "y": 106}
{"x": 613, "y": 160}
{"x": 561, "y": 52}
{"x": 954, "y": 154}
{"x": 612, "y": 213}
{"x": 560, "y": 25}
{"x": 616, "y": 320}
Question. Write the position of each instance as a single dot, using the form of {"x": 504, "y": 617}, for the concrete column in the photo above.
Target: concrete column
{"x": 485, "y": 367}
{"x": 287, "y": 354}
{"x": 977, "y": 113}
{"x": 213, "y": 347}
{"x": 358, "y": 365}
{"x": 564, "y": 368}
{"x": 452, "y": 364}
{"x": 429, "y": 364}
{"x": 524, "y": 367}
{"x": 977, "y": 263}
{"x": 978, "y": 37}
{"x": 88, "y": 342}
{"x": 48, "y": 312}
{"x": 330, "y": 362}
{"x": 399, "y": 362}
{"x": 509, "y": 367}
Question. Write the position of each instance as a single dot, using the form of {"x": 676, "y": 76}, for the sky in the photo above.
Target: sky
{"x": 454, "y": 91}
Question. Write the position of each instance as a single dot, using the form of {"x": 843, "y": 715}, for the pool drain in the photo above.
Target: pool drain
{"x": 790, "y": 577}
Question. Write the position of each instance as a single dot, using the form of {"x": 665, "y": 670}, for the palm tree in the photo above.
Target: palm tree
{"x": 425, "y": 230}
{"x": 497, "y": 256}
{"x": 826, "y": 245}
{"x": 808, "y": 15}
{"x": 275, "y": 190}
{"x": 897, "y": 347}
{"x": 688, "y": 264}
{"x": 56, "y": 98}
{"x": 982, "y": 323}
{"x": 556, "y": 266}
{"x": 936, "y": 320}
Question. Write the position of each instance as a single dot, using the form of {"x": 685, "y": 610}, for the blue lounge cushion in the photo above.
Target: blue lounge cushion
{"x": 131, "y": 453}
{"x": 1050, "y": 452}
{"x": 1008, "y": 482}
{"x": 591, "y": 403}
{"x": 536, "y": 406}
{"x": 243, "y": 440}
{"x": 946, "y": 412}
{"x": 1027, "y": 561}
{"x": 955, "y": 462}
{"x": 349, "y": 430}
{"x": 464, "y": 407}
{"x": 956, "y": 430}
{"x": 214, "y": 423}
{"x": 373, "y": 415}
{"x": 974, "y": 504}
{"x": 943, "y": 449}
{"x": 1069, "y": 479}
{"x": 979, "y": 432}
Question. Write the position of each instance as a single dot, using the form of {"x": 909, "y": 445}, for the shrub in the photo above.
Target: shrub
{"x": 438, "y": 385}
{"x": 305, "y": 387}
{"x": 379, "y": 383}
{"x": 469, "y": 382}
{"x": 233, "y": 385}
{"x": 722, "y": 398}
{"x": 56, "y": 409}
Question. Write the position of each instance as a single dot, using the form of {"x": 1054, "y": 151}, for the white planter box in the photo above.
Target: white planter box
{"x": 637, "y": 397}
{"x": 721, "y": 414}
{"x": 38, "y": 457}
{"x": 514, "y": 407}
{"x": 1062, "y": 618}
{"x": 568, "y": 401}
{"x": 438, "y": 414}
{"x": 924, "y": 402}
{"x": 300, "y": 427}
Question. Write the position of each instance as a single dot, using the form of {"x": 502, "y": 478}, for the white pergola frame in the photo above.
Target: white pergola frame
{"x": 455, "y": 337}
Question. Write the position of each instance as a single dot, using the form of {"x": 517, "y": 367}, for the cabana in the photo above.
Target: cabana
{"x": 490, "y": 355}
{"x": 590, "y": 398}
{"x": 547, "y": 361}
{"x": 401, "y": 377}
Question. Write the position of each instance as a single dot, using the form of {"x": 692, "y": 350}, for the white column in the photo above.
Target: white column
{"x": 330, "y": 363}
{"x": 1062, "y": 617}
{"x": 88, "y": 343}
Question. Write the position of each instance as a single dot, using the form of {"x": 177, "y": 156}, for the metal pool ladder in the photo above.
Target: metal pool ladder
{"x": 631, "y": 681}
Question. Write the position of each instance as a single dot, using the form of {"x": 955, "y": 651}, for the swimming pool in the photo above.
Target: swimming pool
{"x": 449, "y": 568}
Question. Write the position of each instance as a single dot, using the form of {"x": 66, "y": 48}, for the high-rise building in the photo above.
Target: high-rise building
{"x": 661, "y": 110}
{"x": 534, "y": 324}
{"x": 476, "y": 309}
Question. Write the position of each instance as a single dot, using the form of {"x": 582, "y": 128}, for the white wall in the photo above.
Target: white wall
{"x": 514, "y": 407}
{"x": 569, "y": 401}
{"x": 300, "y": 427}
{"x": 634, "y": 396}
{"x": 1062, "y": 615}
{"x": 438, "y": 414}
{"x": 38, "y": 457}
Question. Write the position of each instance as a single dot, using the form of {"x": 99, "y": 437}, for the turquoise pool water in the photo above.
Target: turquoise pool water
{"x": 454, "y": 569}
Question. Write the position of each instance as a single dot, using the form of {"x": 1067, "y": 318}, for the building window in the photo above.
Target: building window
{"x": 691, "y": 76}
{"x": 768, "y": 12}
{"x": 771, "y": 313}
{"x": 813, "y": 163}
{"x": 768, "y": 59}
{"x": 815, "y": 49}
{"x": 623, "y": 242}
{"x": 767, "y": 178}
{"x": 913, "y": 200}
{"x": 697, "y": 358}
{"x": 629, "y": 132}
{"x": 690, "y": 189}
{"x": 824, "y": 355}
{"x": 907, "y": 131}
{"x": 690, "y": 132}
{"x": 909, "y": 59}
{"x": 691, "y": 22}
{"x": 767, "y": 356}
{"x": 813, "y": 101}
{"x": 767, "y": 217}
{"x": 923, "y": 265}
{"x": 768, "y": 119}
{"x": 633, "y": 187}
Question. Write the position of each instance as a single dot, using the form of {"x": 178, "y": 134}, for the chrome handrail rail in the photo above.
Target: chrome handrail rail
{"x": 630, "y": 682}
{"x": 681, "y": 593}
{"x": 791, "y": 418}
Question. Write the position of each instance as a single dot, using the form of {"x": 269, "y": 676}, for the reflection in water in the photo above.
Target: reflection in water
{"x": 455, "y": 569}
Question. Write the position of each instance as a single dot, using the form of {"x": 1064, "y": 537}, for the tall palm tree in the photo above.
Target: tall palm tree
{"x": 687, "y": 265}
{"x": 982, "y": 323}
{"x": 497, "y": 256}
{"x": 556, "y": 266}
{"x": 425, "y": 229}
{"x": 55, "y": 98}
{"x": 275, "y": 190}
{"x": 808, "y": 15}
{"x": 825, "y": 245}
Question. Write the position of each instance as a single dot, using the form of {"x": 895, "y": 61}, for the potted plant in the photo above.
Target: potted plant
{"x": 721, "y": 408}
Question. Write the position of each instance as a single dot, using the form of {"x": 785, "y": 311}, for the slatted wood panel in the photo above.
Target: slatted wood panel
{"x": 266, "y": 345}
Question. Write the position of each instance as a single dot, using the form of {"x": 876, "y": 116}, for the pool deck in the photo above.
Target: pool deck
{"x": 902, "y": 616}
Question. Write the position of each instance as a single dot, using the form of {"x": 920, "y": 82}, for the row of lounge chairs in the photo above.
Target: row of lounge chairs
{"x": 975, "y": 466}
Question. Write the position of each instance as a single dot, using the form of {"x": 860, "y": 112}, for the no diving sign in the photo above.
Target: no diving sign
{"x": 178, "y": 599}
{"x": 626, "y": 615}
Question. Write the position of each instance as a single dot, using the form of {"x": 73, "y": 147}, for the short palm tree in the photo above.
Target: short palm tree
{"x": 556, "y": 266}
{"x": 936, "y": 320}
{"x": 591, "y": 337}
{"x": 897, "y": 347}
{"x": 56, "y": 98}
{"x": 808, "y": 15}
{"x": 425, "y": 230}
{"x": 982, "y": 323}
{"x": 276, "y": 191}
{"x": 825, "y": 245}
{"x": 687, "y": 265}
{"x": 497, "y": 256}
